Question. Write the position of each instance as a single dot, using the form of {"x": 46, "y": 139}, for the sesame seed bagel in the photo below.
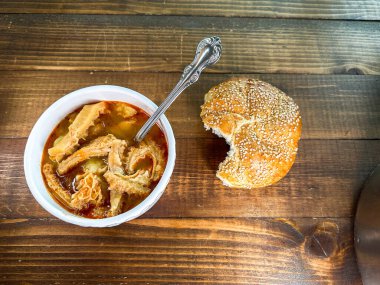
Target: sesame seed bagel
{"x": 262, "y": 126}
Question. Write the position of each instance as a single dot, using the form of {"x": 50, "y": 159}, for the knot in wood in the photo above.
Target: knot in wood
{"x": 323, "y": 240}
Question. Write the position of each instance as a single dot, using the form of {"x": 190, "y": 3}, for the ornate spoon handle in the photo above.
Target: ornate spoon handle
{"x": 208, "y": 52}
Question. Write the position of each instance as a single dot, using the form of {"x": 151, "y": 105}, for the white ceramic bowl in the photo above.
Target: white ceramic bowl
{"x": 49, "y": 120}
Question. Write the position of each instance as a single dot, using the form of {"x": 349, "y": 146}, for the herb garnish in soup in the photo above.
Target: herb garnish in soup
{"x": 90, "y": 166}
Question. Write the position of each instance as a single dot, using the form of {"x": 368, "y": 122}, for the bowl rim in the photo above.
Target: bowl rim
{"x": 81, "y": 97}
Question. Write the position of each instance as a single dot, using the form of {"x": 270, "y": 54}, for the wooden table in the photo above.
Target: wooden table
{"x": 324, "y": 54}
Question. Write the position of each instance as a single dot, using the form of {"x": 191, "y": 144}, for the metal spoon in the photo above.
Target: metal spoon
{"x": 208, "y": 52}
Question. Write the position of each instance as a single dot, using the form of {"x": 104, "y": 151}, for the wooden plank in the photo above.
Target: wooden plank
{"x": 311, "y": 9}
{"x": 324, "y": 182}
{"x": 120, "y": 43}
{"x": 332, "y": 107}
{"x": 177, "y": 251}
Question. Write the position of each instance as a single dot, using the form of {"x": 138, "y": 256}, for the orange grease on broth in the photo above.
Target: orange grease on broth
{"x": 109, "y": 122}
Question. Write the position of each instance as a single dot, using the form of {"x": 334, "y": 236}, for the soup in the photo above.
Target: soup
{"x": 91, "y": 166}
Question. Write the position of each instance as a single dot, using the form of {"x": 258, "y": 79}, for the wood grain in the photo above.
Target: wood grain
{"x": 312, "y": 9}
{"x": 324, "y": 182}
{"x": 180, "y": 251}
{"x": 153, "y": 43}
{"x": 332, "y": 107}
{"x": 298, "y": 231}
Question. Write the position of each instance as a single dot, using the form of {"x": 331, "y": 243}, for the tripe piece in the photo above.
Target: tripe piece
{"x": 100, "y": 146}
{"x": 89, "y": 192}
{"x": 54, "y": 184}
{"x": 123, "y": 110}
{"x": 77, "y": 130}
{"x": 115, "y": 165}
{"x": 146, "y": 149}
{"x": 135, "y": 184}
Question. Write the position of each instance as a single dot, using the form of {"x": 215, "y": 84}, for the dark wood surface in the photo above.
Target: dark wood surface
{"x": 312, "y": 9}
{"x": 298, "y": 231}
{"x": 152, "y": 43}
{"x": 185, "y": 251}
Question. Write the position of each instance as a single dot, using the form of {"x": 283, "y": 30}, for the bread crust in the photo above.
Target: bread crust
{"x": 261, "y": 124}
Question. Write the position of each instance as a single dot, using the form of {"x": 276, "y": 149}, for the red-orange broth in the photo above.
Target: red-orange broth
{"x": 111, "y": 123}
